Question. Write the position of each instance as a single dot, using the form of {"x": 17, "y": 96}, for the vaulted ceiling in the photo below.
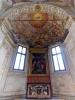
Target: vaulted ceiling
{"x": 38, "y": 24}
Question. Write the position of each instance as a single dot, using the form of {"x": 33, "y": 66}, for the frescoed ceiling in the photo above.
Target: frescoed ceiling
{"x": 38, "y": 25}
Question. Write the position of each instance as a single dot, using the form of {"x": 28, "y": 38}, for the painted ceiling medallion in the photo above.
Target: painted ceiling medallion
{"x": 37, "y": 8}
{"x": 38, "y": 18}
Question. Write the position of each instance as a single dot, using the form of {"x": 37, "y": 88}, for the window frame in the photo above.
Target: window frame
{"x": 20, "y": 58}
{"x": 57, "y": 59}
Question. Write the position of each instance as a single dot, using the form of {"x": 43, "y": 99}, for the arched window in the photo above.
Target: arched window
{"x": 20, "y": 58}
{"x": 57, "y": 59}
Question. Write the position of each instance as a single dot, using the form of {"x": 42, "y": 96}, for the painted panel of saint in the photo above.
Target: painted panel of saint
{"x": 38, "y": 63}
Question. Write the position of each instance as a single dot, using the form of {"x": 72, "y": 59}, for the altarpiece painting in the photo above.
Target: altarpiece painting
{"x": 38, "y": 63}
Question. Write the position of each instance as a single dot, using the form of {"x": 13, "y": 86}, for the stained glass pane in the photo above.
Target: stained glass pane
{"x": 24, "y": 50}
{"x": 17, "y": 61}
{"x": 55, "y": 62}
{"x": 61, "y": 64}
{"x": 53, "y": 51}
{"x": 19, "y": 49}
{"x": 22, "y": 62}
{"x": 58, "y": 49}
